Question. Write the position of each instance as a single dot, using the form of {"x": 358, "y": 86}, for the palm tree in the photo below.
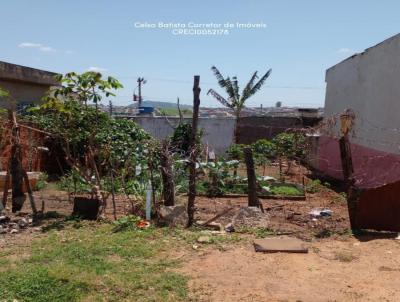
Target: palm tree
{"x": 235, "y": 99}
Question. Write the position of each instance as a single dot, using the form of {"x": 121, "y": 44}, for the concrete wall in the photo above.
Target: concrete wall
{"x": 25, "y": 84}
{"x": 217, "y": 132}
{"x": 368, "y": 84}
{"x": 22, "y": 92}
{"x": 253, "y": 128}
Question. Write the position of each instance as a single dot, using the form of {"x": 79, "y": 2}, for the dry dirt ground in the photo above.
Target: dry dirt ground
{"x": 333, "y": 270}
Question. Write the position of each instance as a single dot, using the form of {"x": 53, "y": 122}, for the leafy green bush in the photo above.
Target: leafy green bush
{"x": 235, "y": 151}
{"x": 264, "y": 148}
{"x": 73, "y": 182}
{"x": 289, "y": 145}
{"x": 180, "y": 139}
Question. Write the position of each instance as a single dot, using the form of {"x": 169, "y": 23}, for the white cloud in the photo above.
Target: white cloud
{"x": 38, "y": 46}
{"x": 29, "y": 45}
{"x": 97, "y": 69}
{"x": 345, "y": 50}
{"x": 44, "y": 48}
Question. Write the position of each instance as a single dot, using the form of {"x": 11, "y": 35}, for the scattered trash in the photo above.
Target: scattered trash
{"x": 316, "y": 213}
{"x": 143, "y": 224}
{"x": 229, "y": 228}
{"x": 280, "y": 244}
{"x": 266, "y": 178}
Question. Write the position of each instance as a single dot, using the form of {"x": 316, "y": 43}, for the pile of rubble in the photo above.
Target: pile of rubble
{"x": 14, "y": 225}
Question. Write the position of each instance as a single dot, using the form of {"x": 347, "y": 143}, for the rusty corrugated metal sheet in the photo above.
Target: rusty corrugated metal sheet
{"x": 379, "y": 208}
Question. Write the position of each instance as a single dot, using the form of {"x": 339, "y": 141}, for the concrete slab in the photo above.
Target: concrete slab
{"x": 280, "y": 244}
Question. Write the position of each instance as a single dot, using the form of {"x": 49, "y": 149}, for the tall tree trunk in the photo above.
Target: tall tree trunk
{"x": 16, "y": 171}
{"x": 237, "y": 127}
{"x": 167, "y": 175}
{"x": 193, "y": 151}
{"x": 251, "y": 178}
{"x": 17, "y": 179}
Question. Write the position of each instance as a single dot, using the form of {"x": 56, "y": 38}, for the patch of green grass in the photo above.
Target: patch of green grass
{"x": 37, "y": 284}
{"x": 285, "y": 191}
{"x": 93, "y": 263}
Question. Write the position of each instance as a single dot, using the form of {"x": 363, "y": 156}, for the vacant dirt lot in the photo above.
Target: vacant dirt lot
{"x": 338, "y": 267}
{"x": 347, "y": 270}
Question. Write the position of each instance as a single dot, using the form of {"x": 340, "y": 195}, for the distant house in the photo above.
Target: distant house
{"x": 26, "y": 85}
{"x": 368, "y": 84}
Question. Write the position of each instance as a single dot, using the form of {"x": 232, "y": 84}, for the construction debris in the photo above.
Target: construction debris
{"x": 173, "y": 215}
{"x": 316, "y": 213}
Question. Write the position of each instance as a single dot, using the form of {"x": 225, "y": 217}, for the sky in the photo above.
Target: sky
{"x": 299, "y": 40}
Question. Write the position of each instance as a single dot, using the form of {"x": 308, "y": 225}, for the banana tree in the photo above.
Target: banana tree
{"x": 237, "y": 100}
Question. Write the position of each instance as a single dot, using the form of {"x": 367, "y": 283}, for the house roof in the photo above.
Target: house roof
{"x": 19, "y": 73}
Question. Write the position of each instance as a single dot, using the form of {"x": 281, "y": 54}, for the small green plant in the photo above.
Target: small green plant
{"x": 344, "y": 256}
{"x": 313, "y": 186}
{"x": 324, "y": 234}
{"x": 42, "y": 181}
{"x": 126, "y": 223}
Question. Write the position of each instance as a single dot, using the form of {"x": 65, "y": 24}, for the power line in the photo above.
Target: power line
{"x": 215, "y": 84}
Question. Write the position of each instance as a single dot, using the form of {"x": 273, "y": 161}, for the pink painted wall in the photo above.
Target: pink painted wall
{"x": 372, "y": 168}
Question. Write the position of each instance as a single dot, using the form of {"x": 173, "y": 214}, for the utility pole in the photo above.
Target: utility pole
{"x": 140, "y": 81}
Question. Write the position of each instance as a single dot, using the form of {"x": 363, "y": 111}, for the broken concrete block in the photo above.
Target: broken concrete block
{"x": 23, "y": 223}
{"x": 280, "y": 244}
{"x": 173, "y": 215}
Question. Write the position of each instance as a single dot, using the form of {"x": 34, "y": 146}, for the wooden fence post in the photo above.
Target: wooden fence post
{"x": 251, "y": 178}
{"x": 193, "y": 151}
